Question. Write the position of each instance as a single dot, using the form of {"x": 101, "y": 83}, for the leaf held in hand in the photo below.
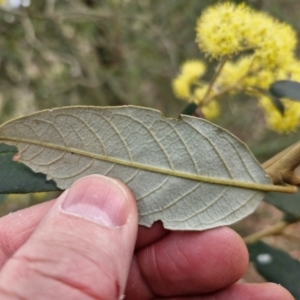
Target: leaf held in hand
{"x": 189, "y": 173}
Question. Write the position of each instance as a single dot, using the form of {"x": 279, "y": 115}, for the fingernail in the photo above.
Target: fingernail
{"x": 99, "y": 199}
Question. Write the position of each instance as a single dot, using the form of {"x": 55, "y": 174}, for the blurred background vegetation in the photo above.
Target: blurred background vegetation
{"x": 120, "y": 52}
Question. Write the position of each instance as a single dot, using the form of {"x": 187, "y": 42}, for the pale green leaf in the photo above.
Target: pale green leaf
{"x": 188, "y": 173}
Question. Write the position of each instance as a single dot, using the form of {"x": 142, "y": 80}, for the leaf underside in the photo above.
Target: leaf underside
{"x": 188, "y": 173}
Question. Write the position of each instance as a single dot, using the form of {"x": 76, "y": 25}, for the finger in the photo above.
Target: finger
{"x": 82, "y": 249}
{"x": 147, "y": 236}
{"x": 262, "y": 291}
{"x": 17, "y": 227}
{"x": 189, "y": 263}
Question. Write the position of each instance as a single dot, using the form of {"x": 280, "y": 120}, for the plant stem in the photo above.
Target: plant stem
{"x": 281, "y": 167}
{"x": 207, "y": 98}
{"x": 272, "y": 230}
{"x": 213, "y": 80}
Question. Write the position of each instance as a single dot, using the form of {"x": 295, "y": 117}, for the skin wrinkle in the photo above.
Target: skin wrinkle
{"x": 60, "y": 279}
{"x": 7, "y": 248}
{"x": 5, "y": 242}
{"x": 222, "y": 268}
{"x": 18, "y": 229}
{"x": 70, "y": 283}
{"x": 142, "y": 277}
{"x": 172, "y": 261}
{"x": 157, "y": 266}
{"x": 4, "y": 255}
{"x": 144, "y": 272}
{"x": 182, "y": 255}
{"x": 228, "y": 267}
{"x": 80, "y": 252}
{"x": 156, "y": 239}
{"x": 11, "y": 293}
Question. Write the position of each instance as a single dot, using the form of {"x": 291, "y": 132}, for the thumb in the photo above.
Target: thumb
{"x": 82, "y": 249}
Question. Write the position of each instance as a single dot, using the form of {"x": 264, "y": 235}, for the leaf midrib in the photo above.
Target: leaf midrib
{"x": 206, "y": 179}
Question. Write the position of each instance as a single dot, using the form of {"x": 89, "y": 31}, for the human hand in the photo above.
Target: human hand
{"x": 81, "y": 246}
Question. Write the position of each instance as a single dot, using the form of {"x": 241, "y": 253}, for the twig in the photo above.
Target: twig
{"x": 29, "y": 30}
{"x": 281, "y": 167}
{"x": 50, "y": 7}
{"x": 291, "y": 237}
{"x": 272, "y": 230}
{"x": 213, "y": 80}
{"x": 229, "y": 88}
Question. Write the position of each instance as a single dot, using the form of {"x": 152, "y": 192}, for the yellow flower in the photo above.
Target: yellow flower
{"x": 285, "y": 123}
{"x": 212, "y": 109}
{"x": 226, "y": 29}
{"x": 199, "y": 93}
{"x": 276, "y": 44}
{"x": 181, "y": 87}
{"x": 290, "y": 71}
{"x": 190, "y": 72}
{"x": 221, "y": 29}
{"x": 193, "y": 69}
{"x": 234, "y": 71}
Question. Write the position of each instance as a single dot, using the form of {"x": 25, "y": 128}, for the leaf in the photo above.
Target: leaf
{"x": 18, "y": 178}
{"x": 278, "y": 104}
{"x": 276, "y": 266}
{"x": 285, "y": 89}
{"x": 287, "y": 203}
{"x": 188, "y": 173}
{"x": 2, "y": 198}
{"x": 189, "y": 109}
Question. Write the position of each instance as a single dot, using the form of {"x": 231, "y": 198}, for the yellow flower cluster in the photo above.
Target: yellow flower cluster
{"x": 282, "y": 123}
{"x": 265, "y": 52}
{"x": 221, "y": 29}
{"x": 226, "y": 29}
{"x": 273, "y": 42}
{"x": 189, "y": 74}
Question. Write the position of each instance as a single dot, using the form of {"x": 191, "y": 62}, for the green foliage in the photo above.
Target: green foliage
{"x": 15, "y": 177}
{"x": 189, "y": 109}
{"x": 286, "y": 89}
{"x": 276, "y": 266}
{"x": 2, "y": 198}
{"x": 287, "y": 203}
{"x": 278, "y": 104}
{"x": 94, "y": 53}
